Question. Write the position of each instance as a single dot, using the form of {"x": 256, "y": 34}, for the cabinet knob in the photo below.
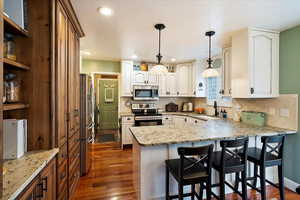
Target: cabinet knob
{"x": 194, "y": 92}
{"x": 177, "y": 93}
{"x": 196, "y": 121}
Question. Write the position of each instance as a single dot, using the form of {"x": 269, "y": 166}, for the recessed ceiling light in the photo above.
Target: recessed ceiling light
{"x": 105, "y": 11}
{"x": 134, "y": 56}
{"x": 173, "y": 59}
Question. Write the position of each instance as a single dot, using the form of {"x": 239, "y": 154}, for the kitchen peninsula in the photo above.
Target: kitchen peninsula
{"x": 153, "y": 145}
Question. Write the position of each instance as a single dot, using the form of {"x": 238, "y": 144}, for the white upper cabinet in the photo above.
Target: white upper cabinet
{"x": 140, "y": 77}
{"x": 126, "y": 78}
{"x": 171, "y": 84}
{"x": 184, "y": 80}
{"x": 162, "y": 80}
{"x": 198, "y": 82}
{"x": 152, "y": 79}
{"x": 226, "y": 72}
{"x": 255, "y": 64}
{"x": 144, "y": 78}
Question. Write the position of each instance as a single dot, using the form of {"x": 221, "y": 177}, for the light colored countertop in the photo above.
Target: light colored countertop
{"x": 205, "y": 131}
{"x": 125, "y": 114}
{"x": 22, "y": 171}
{"x": 189, "y": 114}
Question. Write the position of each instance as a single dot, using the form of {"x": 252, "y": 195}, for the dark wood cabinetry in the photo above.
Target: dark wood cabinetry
{"x": 67, "y": 98}
{"x": 48, "y": 58}
{"x": 43, "y": 187}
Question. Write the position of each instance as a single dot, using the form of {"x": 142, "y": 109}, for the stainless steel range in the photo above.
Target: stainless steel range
{"x": 146, "y": 114}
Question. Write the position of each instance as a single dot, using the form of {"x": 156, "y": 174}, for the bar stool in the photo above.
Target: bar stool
{"x": 268, "y": 156}
{"x": 193, "y": 167}
{"x": 230, "y": 160}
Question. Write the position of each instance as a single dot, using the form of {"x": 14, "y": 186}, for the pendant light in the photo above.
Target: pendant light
{"x": 210, "y": 72}
{"x": 159, "y": 68}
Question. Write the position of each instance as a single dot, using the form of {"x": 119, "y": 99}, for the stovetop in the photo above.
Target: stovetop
{"x": 147, "y": 114}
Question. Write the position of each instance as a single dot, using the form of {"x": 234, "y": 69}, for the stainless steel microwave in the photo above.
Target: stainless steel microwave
{"x": 145, "y": 92}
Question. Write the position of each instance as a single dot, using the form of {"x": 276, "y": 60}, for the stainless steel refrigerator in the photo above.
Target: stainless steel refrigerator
{"x": 86, "y": 122}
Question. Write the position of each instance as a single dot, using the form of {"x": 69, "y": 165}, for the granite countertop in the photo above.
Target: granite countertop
{"x": 22, "y": 171}
{"x": 205, "y": 131}
{"x": 124, "y": 114}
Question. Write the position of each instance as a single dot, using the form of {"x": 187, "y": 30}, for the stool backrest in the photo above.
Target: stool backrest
{"x": 198, "y": 156}
{"x": 273, "y": 145}
{"x": 234, "y": 149}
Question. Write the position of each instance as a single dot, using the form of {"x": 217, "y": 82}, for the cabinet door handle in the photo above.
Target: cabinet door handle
{"x": 128, "y": 119}
{"x": 45, "y": 183}
{"x": 252, "y": 90}
{"x": 177, "y": 93}
{"x": 229, "y": 91}
{"x": 194, "y": 92}
{"x": 185, "y": 120}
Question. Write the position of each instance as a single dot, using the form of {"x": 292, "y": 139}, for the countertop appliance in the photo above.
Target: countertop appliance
{"x": 15, "y": 138}
{"x": 187, "y": 107}
{"x": 86, "y": 122}
{"x": 171, "y": 107}
{"x": 145, "y": 92}
{"x": 146, "y": 114}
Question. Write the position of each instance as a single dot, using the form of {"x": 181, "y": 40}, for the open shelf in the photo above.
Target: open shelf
{"x": 15, "y": 64}
{"x": 14, "y": 106}
{"x": 11, "y": 27}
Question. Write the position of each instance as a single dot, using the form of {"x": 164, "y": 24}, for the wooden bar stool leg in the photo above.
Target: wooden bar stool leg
{"x": 254, "y": 183}
{"x": 236, "y": 184}
{"x": 180, "y": 191}
{"x": 167, "y": 184}
{"x": 222, "y": 186}
{"x": 262, "y": 171}
{"x": 244, "y": 185}
{"x": 201, "y": 191}
{"x": 193, "y": 192}
{"x": 281, "y": 182}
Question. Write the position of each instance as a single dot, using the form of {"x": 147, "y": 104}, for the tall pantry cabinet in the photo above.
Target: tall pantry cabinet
{"x": 68, "y": 32}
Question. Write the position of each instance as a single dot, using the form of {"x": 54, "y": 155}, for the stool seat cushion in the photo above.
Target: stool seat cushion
{"x": 254, "y": 155}
{"x": 195, "y": 172}
{"x": 231, "y": 163}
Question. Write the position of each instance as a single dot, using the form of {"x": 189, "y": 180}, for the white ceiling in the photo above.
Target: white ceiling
{"x": 130, "y": 30}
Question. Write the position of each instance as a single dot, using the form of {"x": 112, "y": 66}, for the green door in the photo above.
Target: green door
{"x": 108, "y": 103}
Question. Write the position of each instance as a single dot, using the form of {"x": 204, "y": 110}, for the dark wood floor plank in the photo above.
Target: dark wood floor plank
{"x": 111, "y": 177}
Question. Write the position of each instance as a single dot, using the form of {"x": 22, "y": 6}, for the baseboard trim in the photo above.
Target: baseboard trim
{"x": 291, "y": 184}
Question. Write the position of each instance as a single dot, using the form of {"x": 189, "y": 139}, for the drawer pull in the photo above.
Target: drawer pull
{"x": 45, "y": 184}
{"x": 62, "y": 176}
{"x": 128, "y": 118}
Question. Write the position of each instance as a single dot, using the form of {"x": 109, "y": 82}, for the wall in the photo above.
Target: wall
{"x": 89, "y": 66}
{"x": 290, "y": 83}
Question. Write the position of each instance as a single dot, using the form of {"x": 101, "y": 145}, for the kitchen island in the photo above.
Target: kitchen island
{"x": 152, "y": 145}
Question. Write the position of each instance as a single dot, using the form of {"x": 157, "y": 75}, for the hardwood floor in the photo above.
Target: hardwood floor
{"x": 110, "y": 178}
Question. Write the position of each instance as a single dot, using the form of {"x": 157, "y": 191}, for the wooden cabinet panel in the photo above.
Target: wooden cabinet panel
{"x": 61, "y": 70}
{"x": 62, "y": 154}
{"x": 73, "y": 142}
{"x": 48, "y": 181}
{"x": 74, "y": 177}
{"x": 30, "y": 192}
{"x": 62, "y": 175}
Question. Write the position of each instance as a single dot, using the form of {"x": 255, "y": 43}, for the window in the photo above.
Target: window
{"x": 213, "y": 92}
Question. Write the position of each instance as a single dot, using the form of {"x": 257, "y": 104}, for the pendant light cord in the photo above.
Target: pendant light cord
{"x": 159, "y": 40}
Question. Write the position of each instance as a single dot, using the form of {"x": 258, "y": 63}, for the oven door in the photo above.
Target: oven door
{"x": 152, "y": 122}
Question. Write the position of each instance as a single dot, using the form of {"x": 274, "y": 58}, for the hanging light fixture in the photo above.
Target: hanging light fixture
{"x": 159, "y": 68}
{"x": 210, "y": 71}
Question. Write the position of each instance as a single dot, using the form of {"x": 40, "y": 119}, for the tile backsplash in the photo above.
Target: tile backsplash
{"x": 126, "y": 102}
{"x": 281, "y": 112}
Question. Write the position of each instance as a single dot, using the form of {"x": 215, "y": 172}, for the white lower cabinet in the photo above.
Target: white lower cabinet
{"x": 127, "y": 122}
{"x": 167, "y": 120}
